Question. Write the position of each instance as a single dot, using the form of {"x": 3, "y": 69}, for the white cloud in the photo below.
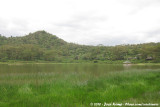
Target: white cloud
{"x": 92, "y": 22}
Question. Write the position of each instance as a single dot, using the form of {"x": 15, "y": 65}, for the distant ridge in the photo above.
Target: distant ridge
{"x": 42, "y": 45}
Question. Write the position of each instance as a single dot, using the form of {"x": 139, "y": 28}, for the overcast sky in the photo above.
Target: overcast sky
{"x": 90, "y": 22}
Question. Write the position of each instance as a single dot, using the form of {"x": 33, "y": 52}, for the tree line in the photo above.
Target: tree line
{"x": 44, "y": 46}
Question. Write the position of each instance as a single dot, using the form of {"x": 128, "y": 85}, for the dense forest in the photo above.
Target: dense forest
{"x": 43, "y": 46}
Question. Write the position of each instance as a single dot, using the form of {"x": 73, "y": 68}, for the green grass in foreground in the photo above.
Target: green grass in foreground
{"x": 79, "y": 88}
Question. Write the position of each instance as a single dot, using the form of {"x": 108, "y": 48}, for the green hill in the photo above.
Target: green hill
{"x": 39, "y": 38}
{"x": 41, "y": 45}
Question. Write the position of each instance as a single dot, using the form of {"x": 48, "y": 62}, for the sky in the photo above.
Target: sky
{"x": 87, "y": 22}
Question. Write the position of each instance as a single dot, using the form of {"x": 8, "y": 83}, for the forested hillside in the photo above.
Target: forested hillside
{"x": 42, "y": 46}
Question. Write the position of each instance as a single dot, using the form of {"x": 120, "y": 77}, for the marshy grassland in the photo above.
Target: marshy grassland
{"x": 70, "y": 85}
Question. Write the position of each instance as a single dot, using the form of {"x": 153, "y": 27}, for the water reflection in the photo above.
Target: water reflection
{"x": 97, "y": 68}
{"x": 44, "y": 73}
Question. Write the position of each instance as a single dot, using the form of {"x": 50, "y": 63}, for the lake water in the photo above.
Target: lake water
{"x": 33, "y": 73}
{"x": 28, "y": 68}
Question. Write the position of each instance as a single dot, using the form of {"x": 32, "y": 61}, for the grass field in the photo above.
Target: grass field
{"x": 70, "y": 89}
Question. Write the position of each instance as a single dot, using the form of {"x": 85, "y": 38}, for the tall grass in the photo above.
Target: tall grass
{"x": 75, "y": 88}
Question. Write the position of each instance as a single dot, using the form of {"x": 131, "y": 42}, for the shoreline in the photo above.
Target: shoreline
{"x": 80, "y": 62}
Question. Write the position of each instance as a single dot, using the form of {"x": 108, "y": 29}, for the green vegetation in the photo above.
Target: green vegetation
{"x": 42, "y": 46}
{"x": 49, "y": 84}
{"x": 70, "y": 85}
